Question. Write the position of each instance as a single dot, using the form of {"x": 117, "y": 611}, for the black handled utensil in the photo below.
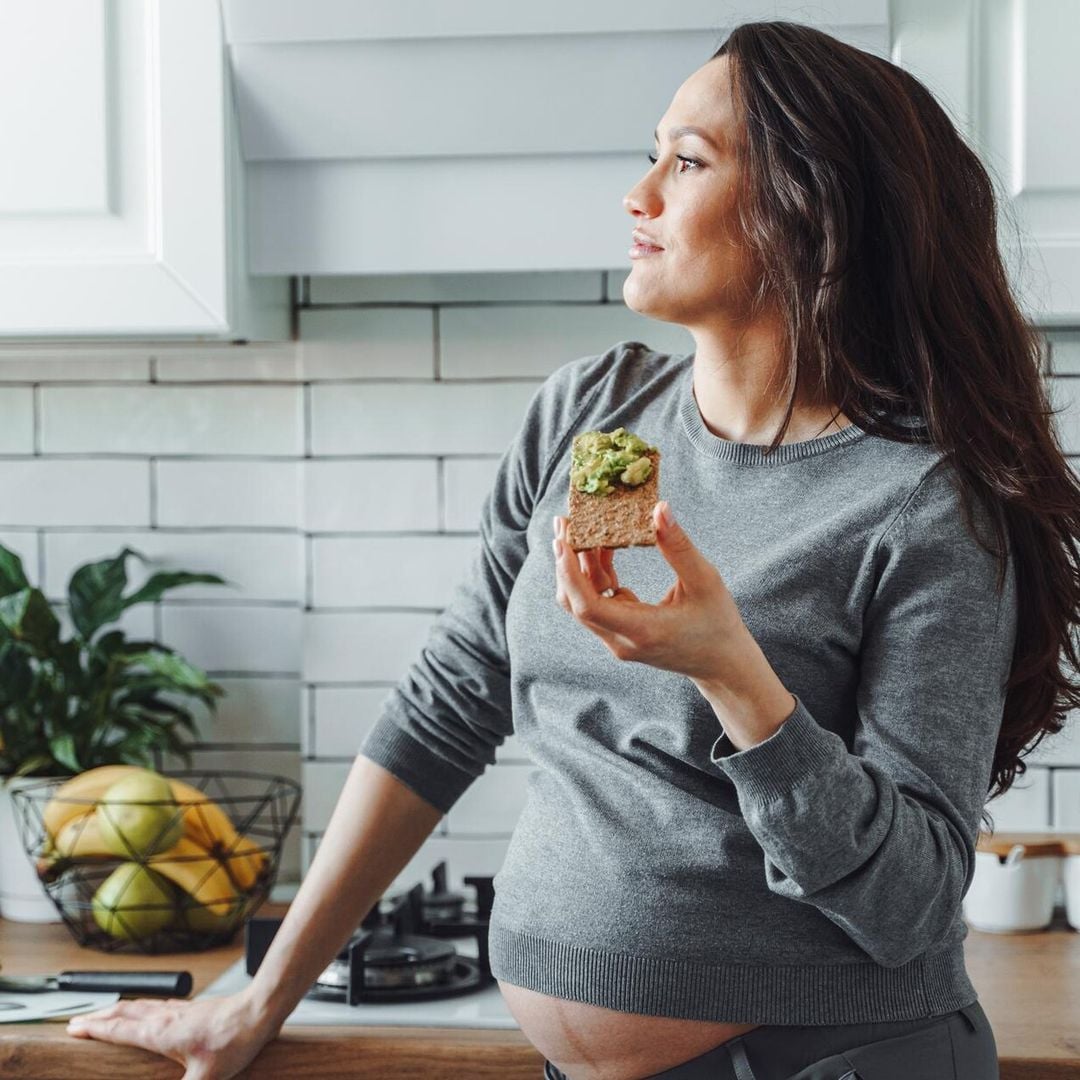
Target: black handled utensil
{"x": 141, "y": 983}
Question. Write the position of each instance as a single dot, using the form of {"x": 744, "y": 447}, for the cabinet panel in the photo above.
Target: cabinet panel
{"x": 119, "y": 207}
{"x": 55, "y": 137}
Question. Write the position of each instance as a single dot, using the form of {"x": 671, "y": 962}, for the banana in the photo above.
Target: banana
{"x": 197, "y": 872}
{"x": 81, "y": 838}
{"x": 77, "y": 795}
{"x": 245, "y": 862}
{"x": 204, "y": 821}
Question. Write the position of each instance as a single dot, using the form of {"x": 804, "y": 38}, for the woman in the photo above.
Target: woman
{"x": 782, "y": 900}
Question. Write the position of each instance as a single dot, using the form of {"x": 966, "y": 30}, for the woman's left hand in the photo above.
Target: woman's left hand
{"x": 695, "y": 630}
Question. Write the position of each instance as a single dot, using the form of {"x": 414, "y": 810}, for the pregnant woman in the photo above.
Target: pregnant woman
{"x": 764, "y": 748}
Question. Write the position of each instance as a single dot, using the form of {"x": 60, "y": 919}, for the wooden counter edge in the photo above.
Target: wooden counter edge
{"x": 318, "y": 1053}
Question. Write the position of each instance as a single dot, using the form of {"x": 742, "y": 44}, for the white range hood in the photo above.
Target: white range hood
{"x": 468, "y": 136}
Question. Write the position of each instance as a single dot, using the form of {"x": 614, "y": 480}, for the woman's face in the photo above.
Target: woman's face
{"x": 685, "y": 204}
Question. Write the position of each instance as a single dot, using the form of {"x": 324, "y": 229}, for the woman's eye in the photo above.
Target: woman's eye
{"x": 689, "y": 161}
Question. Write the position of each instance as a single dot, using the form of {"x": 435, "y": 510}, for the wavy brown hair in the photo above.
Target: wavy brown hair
{"x": 874, "y": 227}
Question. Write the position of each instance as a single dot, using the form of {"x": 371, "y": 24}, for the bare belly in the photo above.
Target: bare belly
{"x": 591, "y": 1043}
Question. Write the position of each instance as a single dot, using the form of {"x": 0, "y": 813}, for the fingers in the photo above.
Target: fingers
{"x": 121, "y": 1022}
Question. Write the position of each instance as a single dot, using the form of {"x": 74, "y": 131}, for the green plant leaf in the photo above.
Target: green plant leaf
{"x": 160, "y": 582}
{"x": 184, "y": 676}
{"x": 95, "y": 592}
{"x": 12, "y": 576}
{"x": 38, "y": 761}
{"x": 16, "y": 675}
{"x": 26, "y": 616}
{"x": 63, "y": 749}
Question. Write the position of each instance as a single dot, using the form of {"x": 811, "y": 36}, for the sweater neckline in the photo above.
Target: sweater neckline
{"x": 751, "y": 453}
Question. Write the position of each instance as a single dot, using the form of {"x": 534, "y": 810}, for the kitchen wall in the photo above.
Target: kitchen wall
{"x": 336, "y": 482}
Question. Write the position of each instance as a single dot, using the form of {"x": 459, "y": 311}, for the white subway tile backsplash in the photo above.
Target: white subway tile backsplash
{"x": 464, "y": 856}
{"x": 252, "y": 493}
{"x": 257, "y": 639}
{"x": 250, "y": 793}
{"x": 425, "y": 418}
{"x": 1026, "y": 805}
{"x": 1060, "y": 749}
{"x": 69, "y": 491}
{"x": 456, "y": 288}
{"x": 343, "y": 717}
{"x": 493, "y": 802}
{"x": 264, "y": 362}
{"x": 16, "y": 420}
{"x": 258, "y": 566}
{"x": 1064, "y": 394}
{"x": 392, "y": 571}
{"x": 533, "y": 340}
{"x": 362, "y": 647}
{"x": 371, "y": 495}
{"x": 1065, "y": 353}
{"x": 235, "y": 420}
{"x": 466, "y": 483}
{"x": 1066, "y": 784}
{"x": 323, "y": 781}
{"x": 615, "y": 280}
{"x": 74, "y": 363}
{"x": 25, "y": 545}
{"x": 255, "y": 710}
{"x": 367, "y": 343}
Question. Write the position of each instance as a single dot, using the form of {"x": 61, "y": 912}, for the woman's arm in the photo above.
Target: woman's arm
{"x": 881, "y": 840}
{"x": 377, "y": 826}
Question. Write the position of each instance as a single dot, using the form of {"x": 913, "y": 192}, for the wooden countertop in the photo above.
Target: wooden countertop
{"x": 1028, "y": 984}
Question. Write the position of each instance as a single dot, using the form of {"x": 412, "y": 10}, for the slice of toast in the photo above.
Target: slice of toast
{"x": 622, "y": 518}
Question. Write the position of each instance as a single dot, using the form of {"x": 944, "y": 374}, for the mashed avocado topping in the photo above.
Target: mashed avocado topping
{"x": 601, "y": 462}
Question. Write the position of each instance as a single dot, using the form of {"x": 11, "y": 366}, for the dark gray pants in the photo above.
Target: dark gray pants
{"x": 955, "y": 1046}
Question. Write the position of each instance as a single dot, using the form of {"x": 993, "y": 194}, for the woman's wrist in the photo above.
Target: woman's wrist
{"x": 749, "y": 700}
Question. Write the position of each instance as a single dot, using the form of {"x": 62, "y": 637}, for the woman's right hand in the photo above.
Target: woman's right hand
{"x": 212, "y": 1038}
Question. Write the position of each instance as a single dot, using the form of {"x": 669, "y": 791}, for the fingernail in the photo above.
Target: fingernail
{"x": 665, "y": 515}
{"x": 555, "y": 547}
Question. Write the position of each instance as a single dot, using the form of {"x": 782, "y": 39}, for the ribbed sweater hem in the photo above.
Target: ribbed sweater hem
{"x": 824, "y": 994}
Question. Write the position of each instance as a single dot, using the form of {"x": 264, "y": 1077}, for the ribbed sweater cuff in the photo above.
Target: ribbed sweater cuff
{"x": 431, "y": 777}
{"x": 797, "y": 751}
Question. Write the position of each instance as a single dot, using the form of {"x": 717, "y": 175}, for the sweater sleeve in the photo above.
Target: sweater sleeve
{"x": 440, "y": 725}
{"x": 882, "y": 840}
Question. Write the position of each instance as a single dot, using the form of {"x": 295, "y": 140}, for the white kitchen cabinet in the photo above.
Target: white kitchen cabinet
{"x": 1007, "y": 71}
{"x": 468, "y": 137}
{"x": 121, "y": 192}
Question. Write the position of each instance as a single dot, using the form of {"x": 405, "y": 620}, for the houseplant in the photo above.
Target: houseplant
{"x": 93, "y": 699}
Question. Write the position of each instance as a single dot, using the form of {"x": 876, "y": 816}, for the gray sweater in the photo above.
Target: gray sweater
{"x": 814, "y": 878}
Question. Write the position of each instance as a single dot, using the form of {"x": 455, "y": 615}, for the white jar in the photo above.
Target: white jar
{"x": 1013, "y": 894}
{"x": 1071, "y": 872}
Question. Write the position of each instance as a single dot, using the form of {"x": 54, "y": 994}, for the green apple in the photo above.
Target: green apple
{"x": 138, "y": 816}
{"x": 133, "y": 902}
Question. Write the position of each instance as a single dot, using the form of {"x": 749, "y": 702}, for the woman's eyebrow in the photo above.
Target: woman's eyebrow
{"x": 676, "y": 133}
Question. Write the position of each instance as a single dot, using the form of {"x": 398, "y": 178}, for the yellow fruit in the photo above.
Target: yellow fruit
{"x": 196, "y": 871}
{"x": 79, "y": 794}
{"x": 204, "y": 821}
{"x": 132, "y": 902}
{"x": 81, "y": 838}
{"x": 137, "y": 816}
{"x": 214, "y": 919}
{"x": 245, "y": 861}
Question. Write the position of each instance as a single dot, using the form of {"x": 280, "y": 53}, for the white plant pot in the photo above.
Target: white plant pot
{"x": 22, "y": 896}
{"x": 1004, "y": 898}
{"x": 1071, "y": 871}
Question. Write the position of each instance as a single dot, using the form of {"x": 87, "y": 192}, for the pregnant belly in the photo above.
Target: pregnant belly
{"x": 588, "y": 1042}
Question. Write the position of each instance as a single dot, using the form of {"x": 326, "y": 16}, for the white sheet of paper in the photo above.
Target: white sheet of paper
{"x": 50, "y": 1005}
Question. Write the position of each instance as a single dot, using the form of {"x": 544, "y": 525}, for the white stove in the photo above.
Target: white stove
{"x": 418, "y": 959}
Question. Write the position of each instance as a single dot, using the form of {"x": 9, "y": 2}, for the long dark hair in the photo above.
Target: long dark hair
{"x": 874, "y": 227}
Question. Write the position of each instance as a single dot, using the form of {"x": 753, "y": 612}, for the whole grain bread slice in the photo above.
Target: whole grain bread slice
{"x": 622, "y": 518}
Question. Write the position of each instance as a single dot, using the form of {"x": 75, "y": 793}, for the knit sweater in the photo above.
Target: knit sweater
{"x": 813, "y": 878}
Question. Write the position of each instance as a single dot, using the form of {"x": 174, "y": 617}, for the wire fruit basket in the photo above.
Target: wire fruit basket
{"x": 179, "y": 873}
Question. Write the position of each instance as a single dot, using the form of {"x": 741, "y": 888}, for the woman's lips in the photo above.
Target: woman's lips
{"x": 639, "y": 251}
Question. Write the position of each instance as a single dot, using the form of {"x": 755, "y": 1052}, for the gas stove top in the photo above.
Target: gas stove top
{"x": 419, "y": 958}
